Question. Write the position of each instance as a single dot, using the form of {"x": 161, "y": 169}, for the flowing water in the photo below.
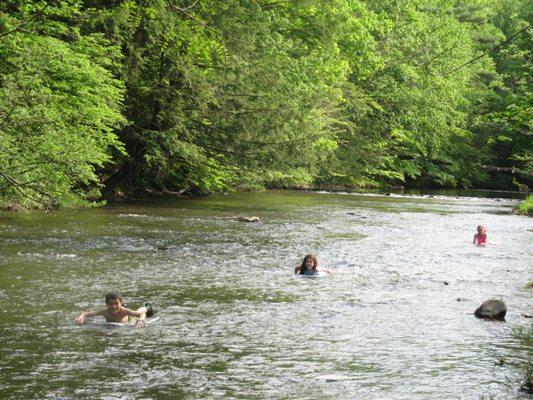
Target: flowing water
{"x": 394, "y": 321}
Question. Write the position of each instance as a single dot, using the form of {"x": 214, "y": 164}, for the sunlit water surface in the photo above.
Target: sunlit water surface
{"x": 395, "y": 321}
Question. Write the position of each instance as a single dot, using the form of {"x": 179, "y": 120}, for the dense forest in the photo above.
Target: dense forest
{"x": 110, "y": 98}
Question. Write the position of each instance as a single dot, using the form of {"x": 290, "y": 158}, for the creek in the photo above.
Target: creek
{"x": 394, "y": 321}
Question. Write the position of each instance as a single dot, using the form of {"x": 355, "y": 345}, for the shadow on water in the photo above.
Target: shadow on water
{"x": 394, "y": 321}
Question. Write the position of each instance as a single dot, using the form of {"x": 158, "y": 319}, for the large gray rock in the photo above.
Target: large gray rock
{"x": 492, "y": 309}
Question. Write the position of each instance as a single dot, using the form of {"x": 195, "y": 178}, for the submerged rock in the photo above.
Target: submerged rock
{"x": 492, "y": 309}
{"x": 527, "y": 385}
{"x": 249, "y": 219}
{"x": 165, "y": 248}
{"x": 501, "y": 361}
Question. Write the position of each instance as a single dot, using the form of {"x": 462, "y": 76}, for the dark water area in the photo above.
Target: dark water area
{"x": 235, "y": 322}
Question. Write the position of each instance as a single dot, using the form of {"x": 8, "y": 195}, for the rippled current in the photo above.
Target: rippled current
{"x": 394, "y": 321}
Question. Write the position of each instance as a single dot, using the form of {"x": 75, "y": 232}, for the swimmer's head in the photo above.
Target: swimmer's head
{"x": 309, "y": 262}
{"x": 114, "y": 301}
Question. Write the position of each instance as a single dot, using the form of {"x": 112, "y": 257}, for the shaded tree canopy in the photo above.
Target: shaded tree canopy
{"x": 125, "y": 97}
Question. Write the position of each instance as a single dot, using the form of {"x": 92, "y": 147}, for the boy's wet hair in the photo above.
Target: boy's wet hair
{"x": 114, "y": 296}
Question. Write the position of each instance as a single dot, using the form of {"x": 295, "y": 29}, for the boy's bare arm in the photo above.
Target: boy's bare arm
{"x": 81, "y": 318}
{"x": 140, "y": 313}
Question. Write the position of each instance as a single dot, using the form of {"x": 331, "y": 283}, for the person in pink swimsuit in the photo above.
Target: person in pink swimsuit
{"x": 480, "y": 238}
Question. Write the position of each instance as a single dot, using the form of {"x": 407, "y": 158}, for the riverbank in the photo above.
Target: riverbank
{"x": 525, "y": 207}
{"x": 379, "y": 190}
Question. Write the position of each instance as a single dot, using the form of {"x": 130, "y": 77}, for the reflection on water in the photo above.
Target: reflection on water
{"x": 235, "y": 321}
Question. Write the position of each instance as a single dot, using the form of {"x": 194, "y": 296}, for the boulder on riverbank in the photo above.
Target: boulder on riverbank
{"x": 492, "y": 309}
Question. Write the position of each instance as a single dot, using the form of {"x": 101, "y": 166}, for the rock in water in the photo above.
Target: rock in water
{"x": 166, "y": 248}
{"x": 492, "y": 309}
{"x": 249, "y": 219}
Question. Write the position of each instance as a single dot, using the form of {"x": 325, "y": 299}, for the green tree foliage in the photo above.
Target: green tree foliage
{"x": 59, "y": 107}
{"x": 223, "y": 94}
{"x": 504, "y": 123}
{"x": 204, "y": 96}
{"x": 410, "y": 109}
